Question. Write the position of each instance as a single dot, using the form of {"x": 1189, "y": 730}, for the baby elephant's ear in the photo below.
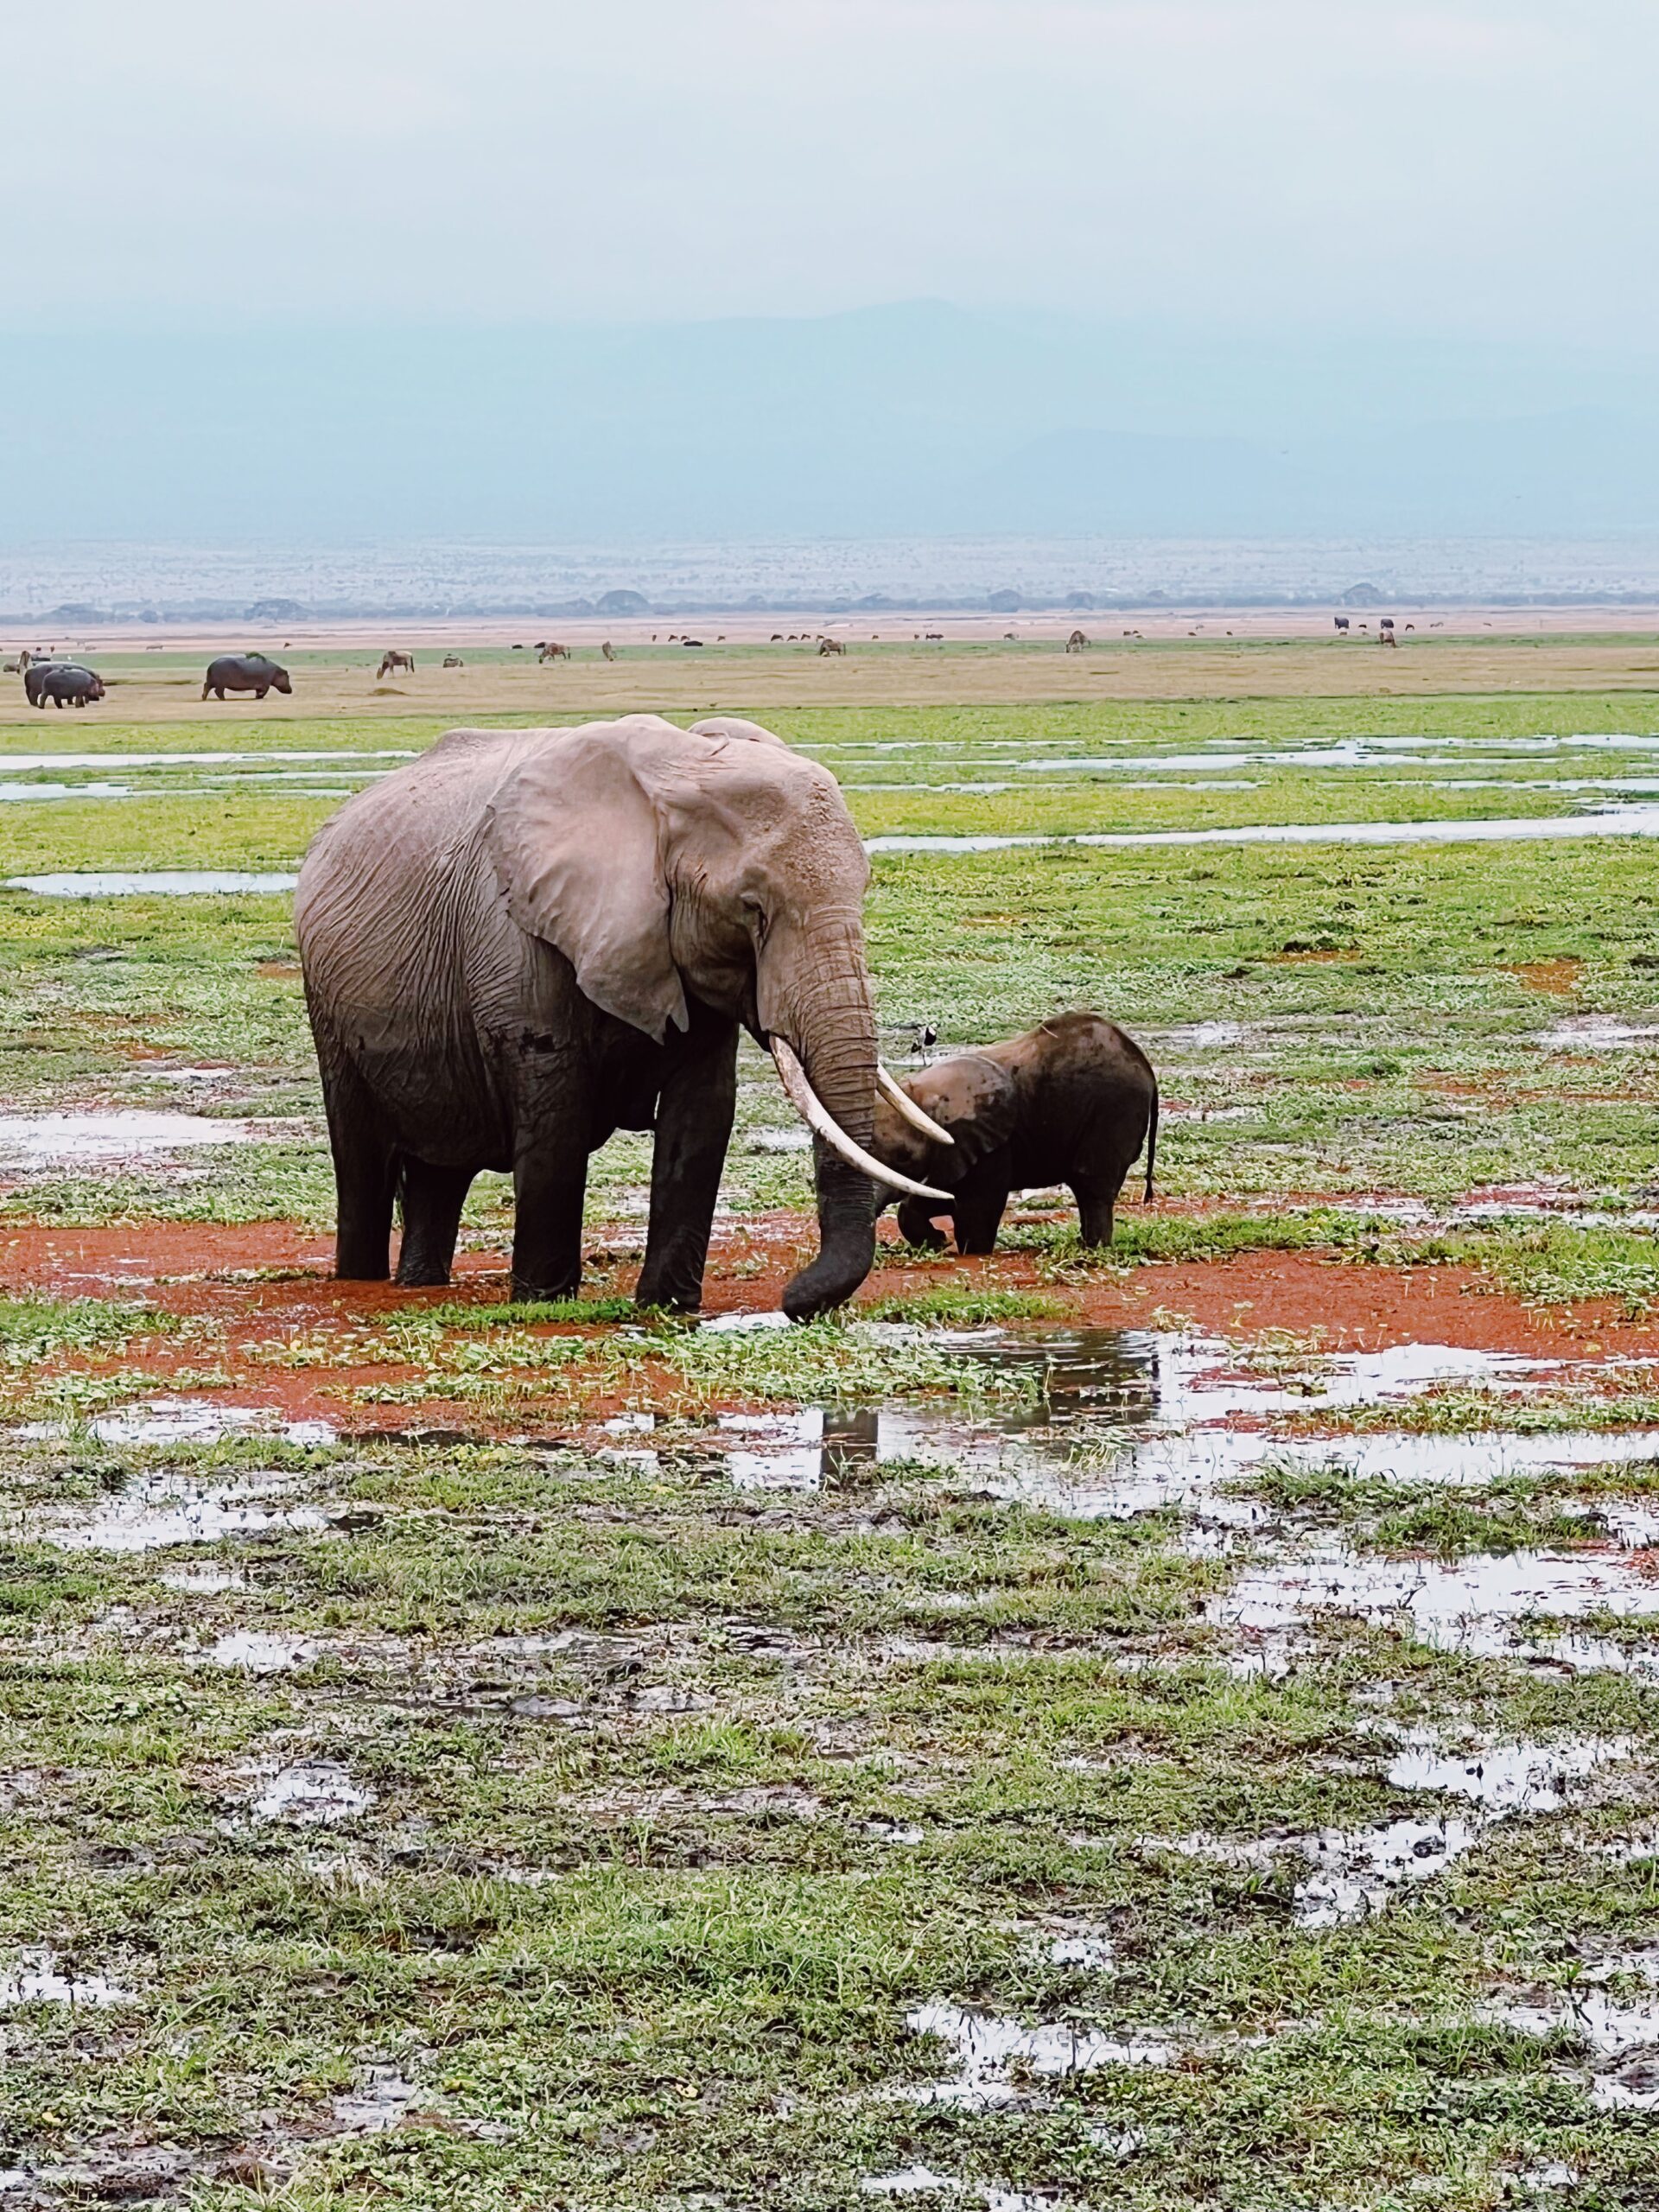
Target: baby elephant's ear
{"x": 575, "y": 841}
{"x": 971, "y": 1096}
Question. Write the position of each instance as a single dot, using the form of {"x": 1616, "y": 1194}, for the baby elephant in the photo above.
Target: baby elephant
{"x": 1071, "y": 1103}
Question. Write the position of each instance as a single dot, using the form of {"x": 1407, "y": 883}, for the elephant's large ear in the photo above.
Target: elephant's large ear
{"x": 971, "y": 1096}
{"x": 576, "y": 844}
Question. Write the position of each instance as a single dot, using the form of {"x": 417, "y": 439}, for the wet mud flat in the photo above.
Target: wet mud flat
{"x": 1024, "y": 1728}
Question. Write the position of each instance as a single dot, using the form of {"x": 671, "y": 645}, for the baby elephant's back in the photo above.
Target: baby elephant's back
{"x": 1085, "y": 1086}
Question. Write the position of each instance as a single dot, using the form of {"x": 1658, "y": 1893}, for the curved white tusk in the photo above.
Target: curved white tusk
{"x": 906, "y": 1107}
{"x": 818, "y": 1118}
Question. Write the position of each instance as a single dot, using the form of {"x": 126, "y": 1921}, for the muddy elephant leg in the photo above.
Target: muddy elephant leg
{"x": 694, "y": 1127}
{"x": 1095, "y": 1203}
{"x": 366, "y": 1176}
{"x": 979, "y": 1215}
{"x": 432, "y": 1200}
{"x": 549, "y": 1182}
{"x": 916, "y": 1224}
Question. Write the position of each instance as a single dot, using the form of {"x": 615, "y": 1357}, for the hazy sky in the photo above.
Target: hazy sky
{"x": 1480, "y": 169}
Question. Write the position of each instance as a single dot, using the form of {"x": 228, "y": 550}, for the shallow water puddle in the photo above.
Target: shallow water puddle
{"x": 383, "y": 2099}
{"x": 312, "y": 1793}
{"x": 1466, "y": 1606}
{"x": 204, "y": 1581}
{"x": 1613, "y": 821}
{"x": 1355, "y": 1872}
{"x": 36, "y": 1980}
{"x": 158, "y": 883}
{"x": 156, "y": 1510}
{"x": 256, "y": 1652}
{"x": 1599, "y": 1033}
{"x": 1128, "y": 1422}
{"x": 1610, "y": 2027}
{"x": 22, "y": 762}
{"x": 989, "y": 2050}
{"x": 191, "y": 1420}
{"x": 26, "y": 1140}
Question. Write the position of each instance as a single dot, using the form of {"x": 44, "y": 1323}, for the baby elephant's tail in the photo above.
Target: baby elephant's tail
{"x": 1152, "y": 1144}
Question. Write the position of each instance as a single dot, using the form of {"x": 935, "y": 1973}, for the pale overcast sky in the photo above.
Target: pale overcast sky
{"x": 1477, "y": 168}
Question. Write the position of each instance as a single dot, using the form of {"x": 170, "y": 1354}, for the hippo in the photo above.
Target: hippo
{"x": 245, "y": 672}
{"x": 61, "y": 684}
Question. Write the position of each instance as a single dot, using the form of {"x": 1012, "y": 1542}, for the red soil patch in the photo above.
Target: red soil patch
{"x": 192, "y": 1268}
{"x": 1558, "y": 978}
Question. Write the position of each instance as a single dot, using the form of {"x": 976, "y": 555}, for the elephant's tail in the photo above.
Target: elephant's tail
{"x": 1151, "y": 1145}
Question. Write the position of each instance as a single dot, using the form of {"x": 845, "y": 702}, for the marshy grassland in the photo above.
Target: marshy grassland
{"x": 1169, "y": 1726}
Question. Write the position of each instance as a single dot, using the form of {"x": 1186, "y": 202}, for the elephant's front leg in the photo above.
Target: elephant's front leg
{"x": 694, "y": 1127}
{"x": 916, "y": 1223}
{"x": 549, "y": 1182}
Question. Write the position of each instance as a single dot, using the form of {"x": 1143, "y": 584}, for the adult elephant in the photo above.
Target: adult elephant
{"x": 527, "y": 939}
{"x": 61, "y": 684}
{"x": 245, "y": 672}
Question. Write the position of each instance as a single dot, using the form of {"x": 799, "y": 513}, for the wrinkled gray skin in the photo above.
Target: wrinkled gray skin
{"x": 1071, "y": 1103}
{"x": 245, "y": 672}
{"x": 60, "y": 683}
{"x": 527, "y": 939}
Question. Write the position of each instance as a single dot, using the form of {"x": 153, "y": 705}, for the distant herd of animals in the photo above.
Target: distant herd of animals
{"x": 50, "y": 681}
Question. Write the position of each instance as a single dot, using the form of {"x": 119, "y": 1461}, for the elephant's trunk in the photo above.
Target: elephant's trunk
{"x": 815, "y": 994}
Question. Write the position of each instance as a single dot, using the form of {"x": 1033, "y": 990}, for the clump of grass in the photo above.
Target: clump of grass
{"x": 531, "y": 1313}
{"x": 1558, "y": 1265}
{"x": 952, "y": 1306}
{"x": 35, "y": 1328}
{"x": 829, "y": 1360}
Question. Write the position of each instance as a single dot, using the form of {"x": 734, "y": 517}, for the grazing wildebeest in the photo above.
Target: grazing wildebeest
{"x": 1341, "y": 623}
{"x": 453, "y": 660}
{"x": 608, "y": 650}
{"x": 777, "y": 637}
{"x": 830, "y": 646}
{"x": 253, "y": 672}
{"x": 695, "y": 642}
{"x": 1075, "y": 642}
{"x": 1385, "y": 622}
{"x": 61, "y": 684}
{"x": 548, "y": 650}
{"x": 391, "y": 660}
{"x": 933, "y": 637}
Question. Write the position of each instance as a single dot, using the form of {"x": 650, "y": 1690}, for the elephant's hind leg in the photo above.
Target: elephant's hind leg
{"x": 1094, "y": 1205}
{"x": 432, "y": 1199}
{"x": 366, "y": 1176}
